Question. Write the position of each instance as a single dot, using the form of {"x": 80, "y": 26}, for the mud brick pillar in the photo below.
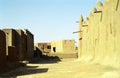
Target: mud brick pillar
{"x": 2, "y": 51}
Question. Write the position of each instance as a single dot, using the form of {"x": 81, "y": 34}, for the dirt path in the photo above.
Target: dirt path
{"x": 68, "y": 68}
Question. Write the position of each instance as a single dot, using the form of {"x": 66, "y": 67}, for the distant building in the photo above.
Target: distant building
{"x": 44, "y": 47}
{"x": 59, "y": 48}
{"x": 63, "y": 49}
{"x": 63, "y": 46}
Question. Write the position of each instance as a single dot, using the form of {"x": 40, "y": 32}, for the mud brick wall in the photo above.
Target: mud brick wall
{"x": 10, "y": 38}
{"x": 18, "y": 39}
{"x": 2, "y": 51}
{"x": 63, "y": 46}
{"x": 29, "y": 45}
{"x": 99, "y": 34}
{"x": 63, "y": 55}
{"x": 21, "y": 44}
{"x": 43, "y": 47}
{"x": 12, "y": 54}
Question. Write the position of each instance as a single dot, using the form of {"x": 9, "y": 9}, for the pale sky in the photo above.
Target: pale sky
{"x": 48, "y": 20}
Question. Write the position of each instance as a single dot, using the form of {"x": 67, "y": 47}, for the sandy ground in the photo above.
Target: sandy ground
{"x": 67, "y": 68}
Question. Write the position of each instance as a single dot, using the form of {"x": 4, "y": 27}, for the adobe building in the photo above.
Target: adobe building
{"x": 10, "y": 38}
{"x": 99, "y": 35}
{"x": 63, "y": 46}
{"x": 29, "y": 45}
{"x": 63, "y": 49}
{"x": 13, "y": 40}
{"x": 44, "y": 47}
{"x": 3, "y": 58}
{"x": 21, "y": 41}
{"x": 15, "y": 46}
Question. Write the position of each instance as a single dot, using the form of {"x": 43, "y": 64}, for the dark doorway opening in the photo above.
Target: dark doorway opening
{"x": 54, "y": 49}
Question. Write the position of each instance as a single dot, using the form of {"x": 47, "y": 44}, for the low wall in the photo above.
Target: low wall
{"x": 64, "y": 55}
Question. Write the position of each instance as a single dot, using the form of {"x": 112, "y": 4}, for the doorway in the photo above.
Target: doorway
{"x": 54, "y": 49}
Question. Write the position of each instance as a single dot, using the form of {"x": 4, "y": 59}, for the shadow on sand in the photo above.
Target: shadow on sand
{"x": 39, "y": 58}
{"x": 47, "y": 60}
{"x": 44, "y": 59}
{"x": 25, "y": 70}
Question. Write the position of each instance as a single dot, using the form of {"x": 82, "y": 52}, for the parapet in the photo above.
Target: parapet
{"x": 94, "y": 10}
{"x": 99, "y": 5}
{"x": 81, "y": 18}
{"x": 26, "y": 31}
